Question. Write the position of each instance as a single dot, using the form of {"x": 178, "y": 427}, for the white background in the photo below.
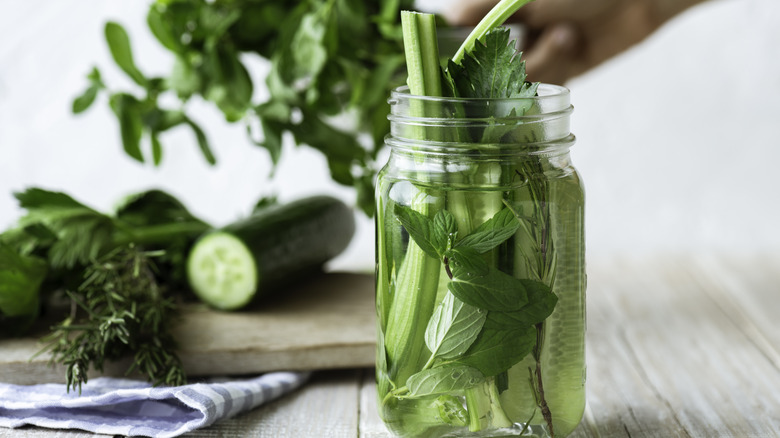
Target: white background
{"x": 677, "y": 138}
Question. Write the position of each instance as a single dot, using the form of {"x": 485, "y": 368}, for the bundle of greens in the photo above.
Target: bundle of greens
{"x": 463, "y": 309}
{"x": 328, "y": 58}
{"x": 110, "y": 267}
{"x": 124, "y": 275}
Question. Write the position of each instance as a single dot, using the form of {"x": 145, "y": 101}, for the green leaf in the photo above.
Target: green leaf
{"x": 215, "y": 20}
{"x": 230, "y": 86}
{"x": 159, "y": 120}
{"x": 341, "y": 148}
{"x": 493, "y": 69}
{"x": 20, "y": 280}
{"x": 119, "y": 45}
{"x": 154, "y": 207}
{"x": 81, "y": 103}
{"x": 272, "y": 138}
{"x": 184, "y": 79}
{"x": 445, "y": 229}
{"x": 128, "y": 111}
{"x": 265, "y": 202}
{"x": 156, "y": 149}
{"x": 203, "y": 142}
{"x": 443, "y": 380}
{"x": 453, "y": 327}
{"x": 365, "y": 193}
{"x": 469, "y": 260}
{"x": 492, "y": 232}
{"x": 82, "y": 233}
{"x": 308, "y": 51}
{"x": 161, "y": 28}
{"x": 492, "y": 291}
{"x": 419, "y": 227}
{"x": 495, "y": 351}
{"x": 541, "y": 303}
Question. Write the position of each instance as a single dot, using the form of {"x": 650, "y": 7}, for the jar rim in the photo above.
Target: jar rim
{"x": 545, "y": 92}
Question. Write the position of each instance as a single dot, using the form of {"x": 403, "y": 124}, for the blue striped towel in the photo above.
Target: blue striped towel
{"x": 134, "y": 408}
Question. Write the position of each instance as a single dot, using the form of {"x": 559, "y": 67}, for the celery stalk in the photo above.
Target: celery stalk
{"x": 496, "y": 17}
{"x": 418, "y": 277}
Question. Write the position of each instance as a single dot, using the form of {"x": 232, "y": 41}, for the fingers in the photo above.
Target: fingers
{"x": 552, "y": 55}
{"x": 468, "y": 12}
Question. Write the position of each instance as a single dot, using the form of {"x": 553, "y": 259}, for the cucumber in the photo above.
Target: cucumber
{"x": 234, "y": 266}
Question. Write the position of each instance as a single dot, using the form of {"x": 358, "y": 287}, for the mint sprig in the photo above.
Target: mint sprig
{"x": 458, "y": 332}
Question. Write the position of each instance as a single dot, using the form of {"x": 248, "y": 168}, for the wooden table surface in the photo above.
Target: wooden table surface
{"x": 677, "y": 346}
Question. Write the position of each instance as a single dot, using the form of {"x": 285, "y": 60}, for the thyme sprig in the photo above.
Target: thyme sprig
{"x": 119, "y": 310}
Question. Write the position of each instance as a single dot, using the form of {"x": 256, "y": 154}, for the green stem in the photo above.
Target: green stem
{"x": 484, "y": 407}
{"x": 418, "y": 278}
{"x": 476, "y": 408}
{"x": 499, "y": 417}
{"x": 422, "y": 53}
{"x": 496, "y": 17}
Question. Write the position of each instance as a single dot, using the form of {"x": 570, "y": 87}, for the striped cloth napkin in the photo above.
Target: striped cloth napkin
{"x": 134, "y": 408}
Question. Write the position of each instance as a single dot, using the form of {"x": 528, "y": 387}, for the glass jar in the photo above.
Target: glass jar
{"x": 480, "y": 270}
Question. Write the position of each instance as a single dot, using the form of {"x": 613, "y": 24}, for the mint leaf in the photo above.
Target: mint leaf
{"x": 541, "y": 303}
{"x": 453, "y": 327}
{"x": 492, "y": 232}
{"x": 495, "y": 290}
{"x": 493, "y": 70}
{"x": 203, "y": 142}
{"x": 119, "y": 45}
{"x": 443, "y": 380}
{"x": 445, "y": 229}
{"x": 495, "y": 351}
{"x": 127, "y": 109}
{"x": 420, "y": 229}
{"x": 468, "y": 259}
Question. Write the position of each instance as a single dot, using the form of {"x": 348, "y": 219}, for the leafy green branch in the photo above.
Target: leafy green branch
{"x": 328, "y": 58}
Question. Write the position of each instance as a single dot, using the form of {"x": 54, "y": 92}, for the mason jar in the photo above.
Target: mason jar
{"x": 480, "y": 269}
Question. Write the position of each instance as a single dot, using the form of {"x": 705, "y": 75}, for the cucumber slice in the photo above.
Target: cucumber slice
{"x": 222, "y": 272}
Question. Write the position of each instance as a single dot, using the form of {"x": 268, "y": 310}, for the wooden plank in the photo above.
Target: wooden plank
{"x": 695, "y": 359}
{"x": 37, "y": 432}
{"x": 326, "y": 323}
{"x": 371, "y": 425}
{"x": 621, "y": 402}
{"x": 327, "y": 406}
{"x": 747, "y": 289}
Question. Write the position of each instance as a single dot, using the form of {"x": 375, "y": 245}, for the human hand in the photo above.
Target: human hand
{"x": 565, "y": 38}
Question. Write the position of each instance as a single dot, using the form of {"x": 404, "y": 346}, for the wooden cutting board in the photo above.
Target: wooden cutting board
{"x": 328, "y": 322}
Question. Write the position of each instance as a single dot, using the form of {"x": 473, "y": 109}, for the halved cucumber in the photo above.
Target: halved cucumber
{"x": 232, "y": 267}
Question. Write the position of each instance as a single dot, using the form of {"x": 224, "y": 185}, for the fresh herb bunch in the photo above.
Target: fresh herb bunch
{"x": 119, "y": 310}
{"x": 328, "y": 57}
{"x": 118, "y": 307}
